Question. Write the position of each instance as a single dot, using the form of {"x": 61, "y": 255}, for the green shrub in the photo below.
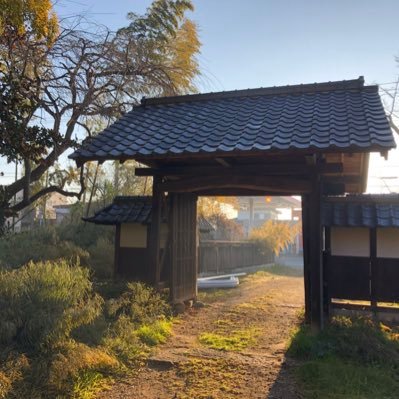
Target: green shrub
{"x": 102, "y": 258}
{"x": 355, "y": 339}
{"x": 140, "y": 303}
{"x": 40, "y": 304}
{"x": 41, "y": 244}
{"x": 137, "y": 317}
{"x": 123, "y": 342}
{"x": 84, "y": 234}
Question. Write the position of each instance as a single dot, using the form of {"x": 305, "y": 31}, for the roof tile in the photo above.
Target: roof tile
{"x": 362, "y": 211}
{"x": 339, "y": 114}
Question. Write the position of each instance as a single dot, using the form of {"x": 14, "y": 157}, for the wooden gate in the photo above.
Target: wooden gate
{"x": 183, "y": 228}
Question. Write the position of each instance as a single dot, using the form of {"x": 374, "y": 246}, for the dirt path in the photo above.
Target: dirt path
{"x": 254, "y": 321}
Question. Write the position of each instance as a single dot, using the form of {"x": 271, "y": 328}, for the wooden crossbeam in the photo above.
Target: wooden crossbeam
{"x": 223, "y": 162}
{"x": 260, "y": 183}
{"x": 351, "y": 179}
{"x": 275, "y": 169}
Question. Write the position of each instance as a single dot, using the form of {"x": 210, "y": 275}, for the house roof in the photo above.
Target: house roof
{"x": 133, "y": 209}
{"x": 362, "y": 211}
{"x": 344, "y": 115}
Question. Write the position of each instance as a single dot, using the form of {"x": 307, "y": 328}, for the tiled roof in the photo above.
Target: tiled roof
{"x": 320, "y": 116}
{"x": 133, "y": 209}
{"x": 124, "y": 209}
{"x": 362, "y": 211}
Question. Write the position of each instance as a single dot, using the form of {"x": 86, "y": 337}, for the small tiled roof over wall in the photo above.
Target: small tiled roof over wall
{"x": 124, "y": 209}
{"x": 362, "y": 211}
{"x": 330, "y": 116}
{"x": 133, "y": 209}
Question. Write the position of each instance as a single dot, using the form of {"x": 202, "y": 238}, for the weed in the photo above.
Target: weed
{"x": 155, "y": 333}
{"x": 88, "y": 384}
{"x": 140, "y": 303}
{"x": 236, "y": 340}
{"x": 123, "y": 342}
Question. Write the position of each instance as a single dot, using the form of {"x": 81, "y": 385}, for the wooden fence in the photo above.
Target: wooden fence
{"x": 219, "y": 257}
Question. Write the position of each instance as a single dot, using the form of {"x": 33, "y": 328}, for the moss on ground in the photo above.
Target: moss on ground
{"x": 235, "y": 340}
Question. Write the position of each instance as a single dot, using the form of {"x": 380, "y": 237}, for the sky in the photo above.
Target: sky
{"x": 261, "y": 43}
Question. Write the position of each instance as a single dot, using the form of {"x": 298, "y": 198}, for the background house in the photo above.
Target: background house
{"x": 254, "y": 211}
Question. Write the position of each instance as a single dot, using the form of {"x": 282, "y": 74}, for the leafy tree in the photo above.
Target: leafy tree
{"x": 54, "y": 85}
{"x": 20, "y": 16}
{"x": 226, "y": 229}
{"x": 275, "y": 235}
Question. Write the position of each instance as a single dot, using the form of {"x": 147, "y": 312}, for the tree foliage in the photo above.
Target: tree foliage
{"x": 275, "y": 235}
{"x": 27, "y": 30}
{"x": 21, "y": 16}
{"x": 52, "y": 91}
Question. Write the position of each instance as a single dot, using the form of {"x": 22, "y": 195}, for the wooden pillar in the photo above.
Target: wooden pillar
{"x": 306, "y": 248}
{"x": 373, "y": 265}
{"x": 316, "y": 255}
{"x": 184, "y": 249}
{"x": 154, "y": 233}
{"x": 117, "y": 246}
{"x": 326, "y": 271}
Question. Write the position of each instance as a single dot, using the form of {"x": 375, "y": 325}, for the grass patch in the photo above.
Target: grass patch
{"x": 282, "y": 270}
{"x": 351, "y": 359}
{"x": 155, "y": 333}
{"x": 214, "y": 295}
{"x": 88, "y": 384}
{"x": 334, "y": 378}
{"x": 235, "y": 341}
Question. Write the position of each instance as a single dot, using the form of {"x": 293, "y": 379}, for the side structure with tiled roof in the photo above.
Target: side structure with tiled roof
{"x": 134, "y": 209}
{"x": 362, "y": 249}
{"x": 132, "y": 216}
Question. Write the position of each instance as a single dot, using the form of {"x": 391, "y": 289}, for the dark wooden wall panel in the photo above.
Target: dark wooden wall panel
{"x": 385, "y": 280}
{"x": 134, "y": 264}
{"x": 348, "y": 277}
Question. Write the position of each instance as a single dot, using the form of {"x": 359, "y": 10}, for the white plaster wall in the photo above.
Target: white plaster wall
{"x": 133, "y": 235}
{"x": 350, "y": 241}
{"x": 388, "y": 242}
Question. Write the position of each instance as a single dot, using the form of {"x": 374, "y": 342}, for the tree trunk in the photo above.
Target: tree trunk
{"x": 2, "y": 222}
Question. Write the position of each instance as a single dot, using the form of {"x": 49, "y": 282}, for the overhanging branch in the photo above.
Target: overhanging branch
{"x": 48, "y": 190}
